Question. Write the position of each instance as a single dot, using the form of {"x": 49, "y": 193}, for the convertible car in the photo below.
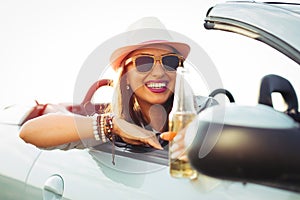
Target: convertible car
{"x": 250, "y": 152}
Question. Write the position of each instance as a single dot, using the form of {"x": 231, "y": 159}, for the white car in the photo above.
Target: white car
{"x": 256, "y": 155}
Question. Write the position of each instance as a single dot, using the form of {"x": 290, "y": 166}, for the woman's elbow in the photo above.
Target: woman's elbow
{"x": 24, "y": 133}
{"x": 28, "y": 133}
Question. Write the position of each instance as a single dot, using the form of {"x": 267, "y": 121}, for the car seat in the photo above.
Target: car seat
{"x": 274, "y": 83}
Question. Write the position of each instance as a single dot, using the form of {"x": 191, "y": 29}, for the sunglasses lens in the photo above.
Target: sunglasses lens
{"x": 170, "y": 62}
{"x": 144, "y": 63}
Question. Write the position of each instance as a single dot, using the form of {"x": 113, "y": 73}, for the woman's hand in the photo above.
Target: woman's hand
{"x": 135, "y": 135}
{"x": 181, "y": 141}
{"x": 177, "y": 146}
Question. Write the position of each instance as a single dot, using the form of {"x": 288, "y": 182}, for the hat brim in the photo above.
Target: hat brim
{"x": 121, "y": 53}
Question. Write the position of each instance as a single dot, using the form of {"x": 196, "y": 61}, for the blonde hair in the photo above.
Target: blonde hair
{"x": 124, "y": 102}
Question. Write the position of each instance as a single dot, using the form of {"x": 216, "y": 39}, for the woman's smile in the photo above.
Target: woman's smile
{"x": 157, "y": 86}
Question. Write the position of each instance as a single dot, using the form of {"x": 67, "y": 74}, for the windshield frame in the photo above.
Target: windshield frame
{"x": 242, "y": 22}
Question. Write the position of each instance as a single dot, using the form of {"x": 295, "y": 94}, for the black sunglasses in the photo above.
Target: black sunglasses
{"x": 145, "y": 62}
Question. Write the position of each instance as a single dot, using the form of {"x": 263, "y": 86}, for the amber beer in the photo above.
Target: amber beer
{"x": 183, "y": 112}
{"x": 180, "y": 167}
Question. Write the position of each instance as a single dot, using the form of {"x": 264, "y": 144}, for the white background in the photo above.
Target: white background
{"x": 43, "y": 44}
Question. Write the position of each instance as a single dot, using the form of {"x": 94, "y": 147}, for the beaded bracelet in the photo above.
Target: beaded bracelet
{"x": 95, "y": 127}
{"x": 108, "y": 126}
{"x": 98, "y": 123}
{"x": 101, "y": 125}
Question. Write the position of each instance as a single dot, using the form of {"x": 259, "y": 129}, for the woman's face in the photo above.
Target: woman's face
{"x": 156, "y": 85}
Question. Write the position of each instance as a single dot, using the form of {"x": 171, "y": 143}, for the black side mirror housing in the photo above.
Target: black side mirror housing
{"x": 251, "y": 150}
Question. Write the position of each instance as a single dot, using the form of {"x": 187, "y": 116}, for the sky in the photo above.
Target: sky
{"x": 44, "y": 44}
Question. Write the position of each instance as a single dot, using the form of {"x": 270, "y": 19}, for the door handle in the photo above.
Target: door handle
{"x": 53, "y": 188}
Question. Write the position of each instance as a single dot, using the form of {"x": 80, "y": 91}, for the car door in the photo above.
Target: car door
{"x": 16, "y": 157}
{"x": 90, "y": 174}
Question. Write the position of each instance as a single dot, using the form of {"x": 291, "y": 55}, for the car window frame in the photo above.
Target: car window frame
{"x": 147, "y": 154}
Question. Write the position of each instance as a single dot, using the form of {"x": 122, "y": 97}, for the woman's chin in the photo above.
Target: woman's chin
{"x": 158, "y": 101}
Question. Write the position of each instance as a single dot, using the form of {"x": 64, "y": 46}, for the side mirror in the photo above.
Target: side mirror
{"x": 254, "y": 144}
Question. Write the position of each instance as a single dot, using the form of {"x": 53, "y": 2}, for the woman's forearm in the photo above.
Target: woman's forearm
{"x": 56, "y": 129}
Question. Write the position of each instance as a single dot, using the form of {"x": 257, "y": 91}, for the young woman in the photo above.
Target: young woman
{"x": 147, "y": 73}
{"x": 140, "y": 107}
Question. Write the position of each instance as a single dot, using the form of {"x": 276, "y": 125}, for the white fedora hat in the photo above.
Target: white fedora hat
{"x": 146, "y": 31}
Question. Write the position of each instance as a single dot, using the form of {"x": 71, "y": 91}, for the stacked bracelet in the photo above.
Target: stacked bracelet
{"x": 98, "y": 127}
{"x": 102, "y": 127}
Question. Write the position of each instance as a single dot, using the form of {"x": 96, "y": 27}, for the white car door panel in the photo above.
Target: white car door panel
{"x": 90, "y": 174}
{"x": 16, "y": 160}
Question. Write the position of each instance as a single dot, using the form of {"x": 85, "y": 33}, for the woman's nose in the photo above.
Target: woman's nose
{"x": 158, "y": 69}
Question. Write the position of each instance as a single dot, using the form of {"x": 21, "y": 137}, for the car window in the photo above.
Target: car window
{"x": 242, "y": 62}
